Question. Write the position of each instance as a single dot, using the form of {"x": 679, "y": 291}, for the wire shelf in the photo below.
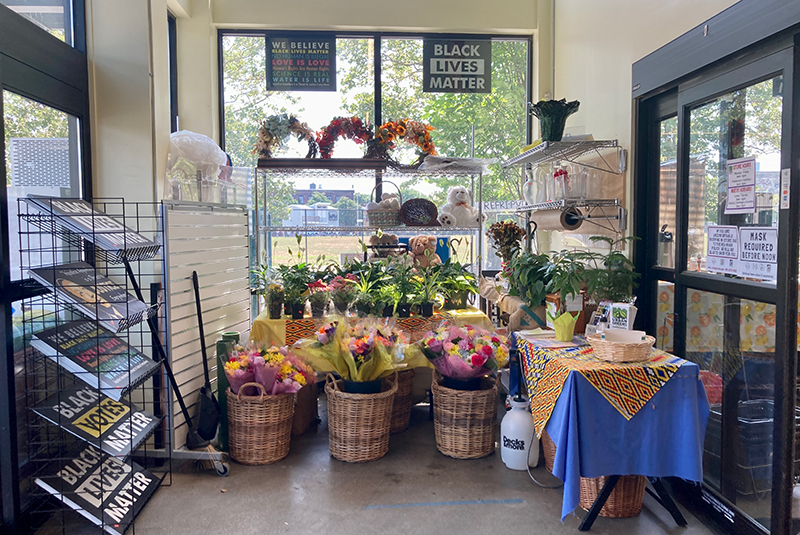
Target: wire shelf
{"x": 569, "y": 151}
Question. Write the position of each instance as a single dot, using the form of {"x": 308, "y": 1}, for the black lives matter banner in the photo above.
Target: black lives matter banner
{"x": 301, "y": 64}
{"x": 456, "y": 66}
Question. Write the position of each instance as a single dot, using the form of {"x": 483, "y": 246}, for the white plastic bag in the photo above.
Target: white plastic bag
{"x": 198, "y": 149}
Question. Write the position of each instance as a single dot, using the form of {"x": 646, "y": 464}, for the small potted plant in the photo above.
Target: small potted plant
{"x": 319, "y": 296}
{"x": 344, "y": 290}
{"x": 565, "y": 271}
{"x": 275, "y": 297}
{"x": 528, "y": 280}
{"x": 426, "y": 287}
{"x": 386, "y": 299}
{"x": 296, "y": 279}
{"x": 267, "y": 283}
{"x": 457, "y": 284}
{"x": 610, "y": 276}
{"x": 401, "y": 271}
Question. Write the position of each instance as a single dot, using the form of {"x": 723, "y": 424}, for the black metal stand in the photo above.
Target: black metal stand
{"x": 661, "y": 496}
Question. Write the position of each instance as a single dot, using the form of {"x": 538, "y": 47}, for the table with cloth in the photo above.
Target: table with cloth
{"x": 646, "y": 418}
{"x": 285, "y": 330}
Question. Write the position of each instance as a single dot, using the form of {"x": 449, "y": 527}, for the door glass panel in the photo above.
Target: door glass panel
{"x": 667, "y": 191}
{"x": 740, "y": 124}
{"x": 733, "y": 341}
{"x": 53, "y": 16}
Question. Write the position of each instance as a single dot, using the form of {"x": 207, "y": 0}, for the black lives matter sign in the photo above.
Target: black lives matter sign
{"x": 301, "y": 64}
{"x": 456, "y": 66}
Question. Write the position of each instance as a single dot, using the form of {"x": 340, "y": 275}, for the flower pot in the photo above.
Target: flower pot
{"x": 552, "y": 115}
{"x": 363, "y": 387}
{"x": 404, "y": 310}
{"x": 297, "y": 310}
{"x": 318, "y": 311}
{"x": 456, "y": 300}
{"x": 363, "y": 309}
{"x": 461, "y": 384}
{"x": 426, "y": 309}
{"x": 388, "y": 311}
{"x": 275, "y": 310}
{"x": 287, "y": 308}
{"x": 341, "y": 307}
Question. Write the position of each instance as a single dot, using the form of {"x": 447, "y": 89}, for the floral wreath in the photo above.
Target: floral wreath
{"x": 275, "y": 129}
{"x": 346, "y": 127}
{"x": 378, "y": 144}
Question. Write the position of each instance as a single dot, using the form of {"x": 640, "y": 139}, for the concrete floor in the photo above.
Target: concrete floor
{"x": 310, "y": 492}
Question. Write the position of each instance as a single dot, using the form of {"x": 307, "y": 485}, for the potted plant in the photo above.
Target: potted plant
{"x": 426, "y": 287}
{"x": 368, "y": 276}
{"x": 610, "y": 276}
{"x": 401, "y": 271}
{"x": 319, "y": 296}
{"x": 457, "y": 284}
{"x": 275, "y": 297}
{"x": 528, "y": 280}
{"x": 386, "y": 299}
{"x": 506, "y": 238}
{"x": 296, "y": 279}
{"x": 267, "y": 283}
{"x": 564, "y": 272}
{"x": 344, "y": 290}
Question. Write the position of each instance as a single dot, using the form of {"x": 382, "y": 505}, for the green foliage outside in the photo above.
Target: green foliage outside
{"x": 348, "y": 214}
{"x": 316, "y": 197}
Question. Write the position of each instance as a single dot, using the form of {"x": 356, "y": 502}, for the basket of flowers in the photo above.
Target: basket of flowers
{"x": 464, "y": 397}
{"x": 261, "y": 399}
{"x": 364, "y": 355}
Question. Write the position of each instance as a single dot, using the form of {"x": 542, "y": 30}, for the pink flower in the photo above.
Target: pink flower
{"x": 464, "y": 345}
{"x": 448, "y": 346}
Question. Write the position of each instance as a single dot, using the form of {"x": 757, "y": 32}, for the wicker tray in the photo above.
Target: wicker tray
{"x": 384, "y": 218}
{"x": 403, "y": 401}
{"x": 623, "y": 502}
{"x": 465, "y": 421}
{"x": 419, "y": 213}
{"x": 359, "y": 424}
{"x": 259, "y": 427}
{"x": 621, "y": 351}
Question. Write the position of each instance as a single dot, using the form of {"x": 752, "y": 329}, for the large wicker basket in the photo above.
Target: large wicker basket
{"x": 620, "y": 351}
{"x": 623, "y": 502}
{"x": 359, "y": 424}
{"x": 403, "y": 401}
{"x": 465, "y": 421}
{"x": 384, "y": 218}
{"x": 259, "y": 427}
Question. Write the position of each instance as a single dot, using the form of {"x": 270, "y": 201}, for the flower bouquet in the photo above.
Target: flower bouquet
{"x": 278, "y": 370}
{"x": 360, "y": 352}
{"x": 464, "y": 353}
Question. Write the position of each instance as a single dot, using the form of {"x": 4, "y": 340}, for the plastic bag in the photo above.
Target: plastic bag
{"x": 466, "y": 165}
{"x": 198, "y": 149}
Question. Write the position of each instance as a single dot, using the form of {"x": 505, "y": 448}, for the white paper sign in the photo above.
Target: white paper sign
{"x": 723, "y": 249}
{"x": 786, "y": 182}
{"x": 758, "y": 252}
{"x": 741, "y": 186}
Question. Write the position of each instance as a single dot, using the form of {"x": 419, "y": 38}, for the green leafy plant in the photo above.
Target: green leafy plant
{"x": 426, "y": 284}
{"x": 564, "y": 272}
{"x": 528, "y": 277}
{"x": 455, "y": 278}
{"x": 400, "y": 271}
{"x": 296, "y": 279}
{"x": 610, "y": 275}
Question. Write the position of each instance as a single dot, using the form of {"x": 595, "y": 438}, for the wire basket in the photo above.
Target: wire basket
{"x": 259, "y": 427}
{"x": 384, "y": 218}
{"x": 465, "y": 421}
{"x": 359, "y": 424}
{"x": 403, "y": 401}
{"x": 621, "y": 351}
{"x": 623, "y": 502}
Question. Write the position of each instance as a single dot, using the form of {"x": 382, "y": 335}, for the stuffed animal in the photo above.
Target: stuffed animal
{"x": 423, "y": 251}
{"x": 389, "y": 201}
{"x": 458, "y": 212}
{"x": 385, "y": 240}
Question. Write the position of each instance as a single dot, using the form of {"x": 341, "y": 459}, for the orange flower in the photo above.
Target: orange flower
{"x": 663, "y": 296}
{"x": 761, "y": 330}
{"x": 695, "y": 331}
{"x": 769, "y": 319}
{"x": 705, "y": 320}
{"x": 696, "y": 297}
{"x": 663, "y": 331}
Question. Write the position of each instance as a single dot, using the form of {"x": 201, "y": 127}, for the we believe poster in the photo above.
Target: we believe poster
{"x": 305, "y": 63}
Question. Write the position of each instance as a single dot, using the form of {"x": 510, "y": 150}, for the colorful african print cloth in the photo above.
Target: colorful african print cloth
{"x": 627, "y": 386}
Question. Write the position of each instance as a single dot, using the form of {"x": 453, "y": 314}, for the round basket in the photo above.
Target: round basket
{"x": 403, "y": 401}
{"x": 465, "y": 421}
{"x": 621, "y": 351}
{"x": 623, "y": 502}
{"x": 549, "y": 449}
{"x": 419, "y": 213}
{"x": 259, "y": 427}
{"x": 359, "y": 424}
{"x": 384, "y": 218}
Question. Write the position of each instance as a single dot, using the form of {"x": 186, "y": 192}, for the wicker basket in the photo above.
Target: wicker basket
{"x": 403, "y": 401}
{"x": 359, "y": 424}
{"x": 384, "y": 218}
{"x": 465, "y": 421}
{"x": 549, "y": 449}
{"x": 623, "y": 502}
{"x": 621, "y": 351}
{"x": 419, "y": 213}
{"x": 259, "y": 427}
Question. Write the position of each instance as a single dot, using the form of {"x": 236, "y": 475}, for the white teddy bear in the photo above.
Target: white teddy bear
{"x": 458, "y": 212}
{"x": 389, "y": 201}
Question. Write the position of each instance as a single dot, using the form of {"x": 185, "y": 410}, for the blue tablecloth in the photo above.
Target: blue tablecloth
{"x": 592, "y": 438}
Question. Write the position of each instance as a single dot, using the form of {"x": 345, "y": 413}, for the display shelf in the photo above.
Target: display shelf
{"x": 568, "y": 203}
{"x": 571, "y": 151}
{"x": 332, "y": 229}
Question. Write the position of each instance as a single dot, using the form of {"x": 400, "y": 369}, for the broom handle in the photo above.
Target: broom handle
{"x": 160, "y": 348}
{"x": 196, "y": 284}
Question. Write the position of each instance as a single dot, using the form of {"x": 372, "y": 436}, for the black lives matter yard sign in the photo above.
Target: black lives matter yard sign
{"x": 456, "y": 66}
{"x": 301, "y": 64}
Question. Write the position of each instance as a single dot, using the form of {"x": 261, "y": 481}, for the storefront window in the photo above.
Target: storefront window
{"x": 667, "y": 192}
{"x": 53, "y": 16}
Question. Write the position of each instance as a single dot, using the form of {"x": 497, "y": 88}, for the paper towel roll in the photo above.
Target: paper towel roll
{"x": 568, "y": 219}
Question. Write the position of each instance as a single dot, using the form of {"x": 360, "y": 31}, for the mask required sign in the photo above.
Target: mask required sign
{"x": 456, "y": 66}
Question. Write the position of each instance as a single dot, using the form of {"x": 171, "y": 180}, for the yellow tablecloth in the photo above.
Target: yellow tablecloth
{"x": 287, "y": 331}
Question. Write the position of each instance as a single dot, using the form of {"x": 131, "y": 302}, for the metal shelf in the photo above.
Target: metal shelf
{"x": 451, "y": 230}
{"x": 563, "y": 204}
{"x": 571, "y": 151}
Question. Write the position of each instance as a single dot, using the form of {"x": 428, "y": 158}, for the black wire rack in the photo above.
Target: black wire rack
{"x": 130, "y": 429}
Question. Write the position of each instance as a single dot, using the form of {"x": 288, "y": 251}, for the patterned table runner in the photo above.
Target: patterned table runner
{"x": 627, "y": 386}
